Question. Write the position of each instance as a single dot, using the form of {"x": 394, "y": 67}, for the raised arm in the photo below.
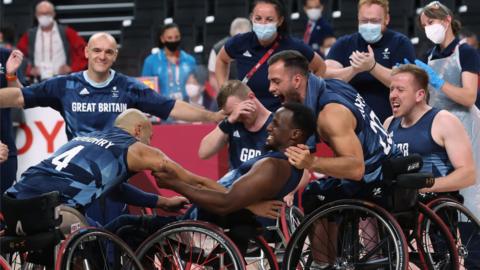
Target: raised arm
{"x": 336, "y": 126}
{"x": 212, "y": 143}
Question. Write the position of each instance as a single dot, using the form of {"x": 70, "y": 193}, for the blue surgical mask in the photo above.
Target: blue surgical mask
{"x": 371, "y": 32}
{"x": 265, "y": 31}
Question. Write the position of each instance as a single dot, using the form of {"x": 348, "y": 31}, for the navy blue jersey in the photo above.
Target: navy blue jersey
{"x": 247, "y": 51}
{"x": 8, "y": 168}
{"x": 244, "y": 145}
{"x": 6, "y": 134}
{"x": 390, "y": 50}
{"x": 376, "y": 144}
{"x": 81, "y": 170}
{"x": 231, "y": 177}
{"x": 86, "y": 108}
{"x": 469, "y": 57}
{"x": 417, "y": 139}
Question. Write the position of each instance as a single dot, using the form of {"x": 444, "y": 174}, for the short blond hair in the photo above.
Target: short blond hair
{"x": 383, "y": 3}
{"x": 232, "y": 88}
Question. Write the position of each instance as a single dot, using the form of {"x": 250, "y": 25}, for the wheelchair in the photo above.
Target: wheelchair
{"x": 360, "y": 234}
{"x": 463, "y": 225}
{"x": 36, "y": 238}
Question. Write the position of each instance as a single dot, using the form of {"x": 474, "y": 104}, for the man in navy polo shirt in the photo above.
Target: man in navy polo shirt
{"x": 364, "y": 59}
{"x": 317, "y": 31}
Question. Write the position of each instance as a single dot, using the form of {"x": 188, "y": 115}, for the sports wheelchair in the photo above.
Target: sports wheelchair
{"x": 36, "y": 238}
{"x": 360, "y": 234}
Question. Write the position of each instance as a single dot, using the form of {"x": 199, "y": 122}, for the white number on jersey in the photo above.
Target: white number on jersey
{"x": 62, "y": 160}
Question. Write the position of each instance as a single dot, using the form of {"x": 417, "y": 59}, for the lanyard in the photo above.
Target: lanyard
{"x": 261, "y": 61}
{"x": 171, "y": 75}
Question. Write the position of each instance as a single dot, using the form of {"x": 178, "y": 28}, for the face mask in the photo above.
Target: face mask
{"x": 371, "y": 32}
{"x": 193, "y": 90}
{"x": 435, "y": 32}
{"x": 314, "y": 13}
{"x": 265, "y": 31}
{"x": 45, "y": 20}
{"x": 172, "y": 46}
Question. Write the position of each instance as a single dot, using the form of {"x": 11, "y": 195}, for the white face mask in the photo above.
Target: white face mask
{"x": 192, "y": 90}
{"x": 264, "y": 31}
{"x": 371, "y": 32}
{"x": 435, "y": 32}
{"x": 314, "y": 13}
{"x": 45, "y": 20}
{"x": 327, "y": 50}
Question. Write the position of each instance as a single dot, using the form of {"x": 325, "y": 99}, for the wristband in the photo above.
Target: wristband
{"x": 373, "y": 66}
{"x": 11, "y": 77}
{"x": 225, "y": 126}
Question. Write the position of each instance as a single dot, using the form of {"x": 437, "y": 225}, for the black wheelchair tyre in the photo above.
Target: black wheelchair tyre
{"x": 98, "y": 248}
{"x": 464, "y": 227}
{"x": 168, "y": 244}
{"x": 390, "y": 241}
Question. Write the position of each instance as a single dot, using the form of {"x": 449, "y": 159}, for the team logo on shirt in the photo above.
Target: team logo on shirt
{"x": 236, "y": 134}
{"x": 114, "y": 92}
{"x": 386, "y": 54}
{"x": 247, "y": 54}
{"x": 84, "y": 92}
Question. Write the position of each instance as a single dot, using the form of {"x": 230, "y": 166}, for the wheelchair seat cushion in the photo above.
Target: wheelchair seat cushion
{"x": 30, "y": 216}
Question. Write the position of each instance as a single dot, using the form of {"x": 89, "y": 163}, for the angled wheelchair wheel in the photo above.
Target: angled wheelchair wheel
{"x": 464, "y": 227}
{"x": 93, "y": 248}
{"x": 347, "y": 234}
{"x": 436, "y": 241}
{"x": 190, "y": 245}
{"x": 259, "y": 255}
{"x": 3, "y": 264}
{"x": 290, "y": 217}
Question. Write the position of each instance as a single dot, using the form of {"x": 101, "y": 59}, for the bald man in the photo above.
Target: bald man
{"x": 91, "y": 100}
{"x": 95, "y": 164}
{"x": 52, "y": 48}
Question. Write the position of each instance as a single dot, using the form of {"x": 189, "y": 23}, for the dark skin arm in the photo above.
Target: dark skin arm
{"x": 262, "y": 182}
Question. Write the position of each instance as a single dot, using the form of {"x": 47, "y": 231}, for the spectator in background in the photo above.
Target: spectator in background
{"x": 51, "y": 48}
{"x": 364, "y": 59}
{"x": 195, "y": 88}
{"x": 453, "y": 76}
{"x": 251, "y": 51}
{"x": 171, "y": 65}
{"x": 238, "y": 26}
{"x": 7, "y": 37}
{"x": 467, "y": 36}
{"x": 318, "y": 31}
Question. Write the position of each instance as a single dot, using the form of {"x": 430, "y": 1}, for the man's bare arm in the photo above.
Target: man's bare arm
{"x": 262, "y": 182}
{"x": 212, "y": 143}
{"x": 11, "y": 97}
{"x": 190, "y": 113}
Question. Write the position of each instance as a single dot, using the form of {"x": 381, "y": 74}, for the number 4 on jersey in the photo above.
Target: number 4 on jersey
{"x": 62, "y": 160}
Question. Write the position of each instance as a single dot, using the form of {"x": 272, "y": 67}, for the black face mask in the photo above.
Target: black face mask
{"x": 172, "y": 46}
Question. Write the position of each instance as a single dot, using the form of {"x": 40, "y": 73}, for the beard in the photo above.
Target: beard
{"x": 292, "y": 96}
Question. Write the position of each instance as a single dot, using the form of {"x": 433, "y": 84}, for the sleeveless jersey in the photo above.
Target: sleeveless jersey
{"x": 81, "y": 170}
{"x": 377, "y": 145}
{"x": 244, "y": 145}
{"x": 417, "y": 139}
{"x": 231, "y": 177}
{"x": 87, "y": 108}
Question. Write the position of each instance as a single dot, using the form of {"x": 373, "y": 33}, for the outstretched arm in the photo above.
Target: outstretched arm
{"x": 11, "y": 97}
{"x": 262, "y": 182}
{"x": 190, "y": 113}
